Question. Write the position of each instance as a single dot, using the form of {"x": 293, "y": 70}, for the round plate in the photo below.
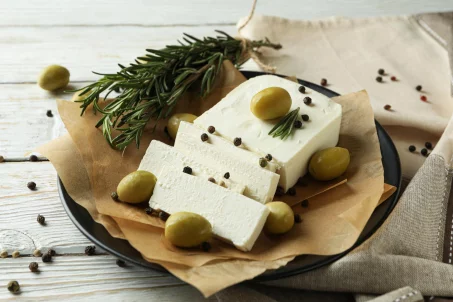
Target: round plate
{"x": 122, "y": 249}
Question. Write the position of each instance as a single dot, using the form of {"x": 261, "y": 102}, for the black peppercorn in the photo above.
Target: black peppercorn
{"x": 149, "y": 210}
{"x": 33, "y": 266}
{"x": 227, "y": 175}
{"x": 2, "y": 159}
{"x": 379, "y": 79}
{"x": 302, "y": 89}
{"x": 305, "y": 117}
{"x": 187, "y": 170}
{"x": 424, "y": 152}
{"x": 263, "y": 162}
{"x": 323, "y": 82}
{"x": 304, "y": 203}
{"x": 120, "y": 263}
{"x": 163, "y": 215}
{"x": 114, "y": 196}
{"x": 387, "y": 107}
{"x": 381, "y": 71}
{"x": 205, "y": 246}
{"x": 49, "y": 113}
{"x": 237, "y": 141}
{"x": 167, "y": 133}
{"x": 302, "y": 182}
{"x": 279, "y": 191}
{"x": 204, "y": 137}
{"x": 429, "y": 146}
{"x": 297, "y": 218}
{"x": 418, "y": 88}
{"x": 211, "y": 129}
{"x": 307, "y": 100}
{"x": 41, "y": 219}
{"x": 13, "y": 286}
{"x": 292, "y": 191}
{"x": 31, "y": 185}
{"x": 268, "y": 157}
{"x": 412, "y": 148}
{"x": 33, "y": 157}
{"x": 46, "y": 258}
{"x": 90, "y": 250}
{"x": 211, "y": 179}
{"x": 297, "y": 124}
{"x": 51, "y": 252}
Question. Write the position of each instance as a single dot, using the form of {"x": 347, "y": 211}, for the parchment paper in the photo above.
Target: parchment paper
{"x": 331, "y": 223}
{"x": 68, "y": 162}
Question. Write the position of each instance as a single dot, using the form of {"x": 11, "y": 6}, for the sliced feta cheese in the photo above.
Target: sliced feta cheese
{"x": 159, "y": 154}
{"x": 217, "y": 153}
{"x": 234, "y": 217}
{"x": 232, "y": 118}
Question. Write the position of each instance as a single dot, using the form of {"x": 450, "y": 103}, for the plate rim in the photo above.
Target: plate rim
{"x": 272, "y": 274}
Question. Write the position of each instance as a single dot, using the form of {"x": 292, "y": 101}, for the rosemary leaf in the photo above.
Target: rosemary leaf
{"x": 152, "y": 85}
{"x": 285, "y": 126}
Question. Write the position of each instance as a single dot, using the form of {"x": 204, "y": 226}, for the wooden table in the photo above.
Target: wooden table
{"x": 87, "y": 35}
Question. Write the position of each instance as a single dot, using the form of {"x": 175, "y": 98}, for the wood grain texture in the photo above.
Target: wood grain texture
{"x": 24, "y": 124}
{"x": 87, "y": 35}
{"x": 195, "y": 12}
{"x": 77, "y": 278}
{"x": 20, "y": 206}
{"x": 82, "y": 49}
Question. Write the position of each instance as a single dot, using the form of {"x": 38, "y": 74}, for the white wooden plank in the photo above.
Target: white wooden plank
{"x": 158, "y": 12}
{"x": 26, "y": 51}
{"x": 77, "y": 278}
{"x": 19, "y": 206}
{"x": 24, "y": 124}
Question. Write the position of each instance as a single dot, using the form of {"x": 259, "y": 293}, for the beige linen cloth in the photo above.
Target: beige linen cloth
{"x": 411, "y": 255}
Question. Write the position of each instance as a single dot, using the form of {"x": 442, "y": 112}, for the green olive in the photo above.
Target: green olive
{"x": 136, "y": 187}
{"x": 329, "y": 163}
{"x": 53, "y": 77}
{"x": 271, "y": 103}
{"x": 280, "y": 219}
{"x": 175, "y": 119}
{"x": 185, "y": 229}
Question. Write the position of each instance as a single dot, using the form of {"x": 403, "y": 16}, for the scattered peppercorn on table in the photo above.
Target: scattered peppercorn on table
{"x": 42, "y": 254}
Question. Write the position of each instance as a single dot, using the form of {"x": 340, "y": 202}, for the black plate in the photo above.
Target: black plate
{"x": 122, "y": 249}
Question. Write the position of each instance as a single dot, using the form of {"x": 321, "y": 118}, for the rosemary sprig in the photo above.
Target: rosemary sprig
{"x": 151, "y": 87}
{"x": 285, "y": 126}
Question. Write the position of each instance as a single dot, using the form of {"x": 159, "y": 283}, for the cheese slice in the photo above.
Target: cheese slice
{"x": 217, "y": 153}
{"x": 234, "y": 217}
{"x": 159, "y": 154}
{"x": 232, "y": 118}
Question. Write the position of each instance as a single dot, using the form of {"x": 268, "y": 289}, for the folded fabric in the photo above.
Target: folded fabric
{"x": 415, "y": 245}
{"x": 349, "y": 53}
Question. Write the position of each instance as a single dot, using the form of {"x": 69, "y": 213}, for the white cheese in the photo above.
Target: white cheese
{"x": 217, "y": 153}
{"x": 232, "y": 118}
{"x": 234, "y": 217}
{"x": 159, "y": 154}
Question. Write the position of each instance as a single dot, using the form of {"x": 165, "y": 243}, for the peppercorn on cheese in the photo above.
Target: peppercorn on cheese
{"x": 233, "y": 118}
{"x": 234, "y": 217}
{"x": 159, "y": 154}
{"x": 220, "y": 154}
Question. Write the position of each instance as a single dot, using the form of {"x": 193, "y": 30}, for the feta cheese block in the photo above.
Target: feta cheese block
{"x": 220, "y": 154}
{"x": 234, "y": 217}
{"x": 232, "y": 118}
{"x": 159, "y": 154}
